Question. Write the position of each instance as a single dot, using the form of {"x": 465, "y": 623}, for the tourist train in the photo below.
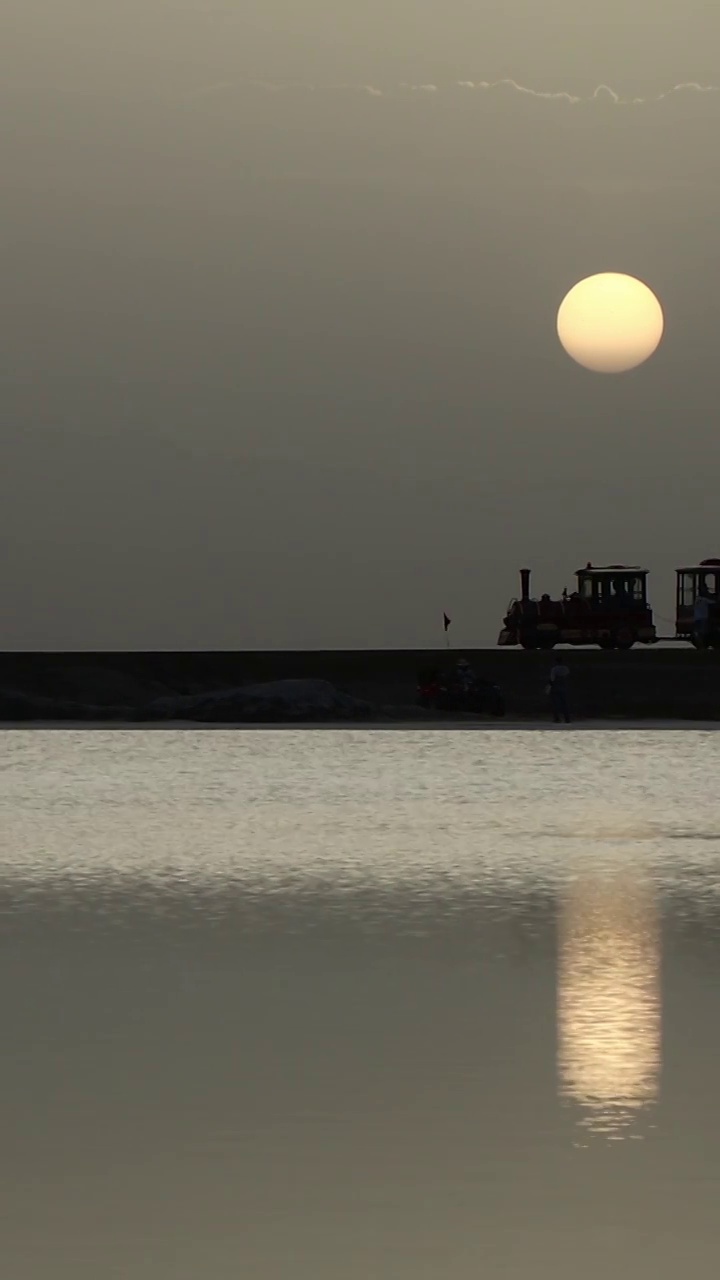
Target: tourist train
{"x": 609, "y": 607}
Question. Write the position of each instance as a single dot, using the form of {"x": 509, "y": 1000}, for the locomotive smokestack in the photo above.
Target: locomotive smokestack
{"x": 525, "y": 584}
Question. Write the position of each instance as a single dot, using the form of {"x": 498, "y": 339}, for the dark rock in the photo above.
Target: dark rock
{"x": 281, "y": 702}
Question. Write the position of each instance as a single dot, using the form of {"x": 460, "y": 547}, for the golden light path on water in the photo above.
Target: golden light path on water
{"x": 609, "y": 1001}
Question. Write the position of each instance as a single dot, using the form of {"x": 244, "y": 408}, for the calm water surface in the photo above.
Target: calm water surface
{"x": 363, "y": 1005}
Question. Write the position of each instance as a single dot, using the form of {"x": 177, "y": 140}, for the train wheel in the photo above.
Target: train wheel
{"x": 606, "y": 642}
{"x": 625, "y": 638}
{"x": 546, "y": 641}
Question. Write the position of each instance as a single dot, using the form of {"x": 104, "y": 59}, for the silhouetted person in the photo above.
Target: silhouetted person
{"x": 558, "y": 690}
{"x": 622, "y": 599}
{"x": 464, "y": 675}
{"x": 701, "y": 618}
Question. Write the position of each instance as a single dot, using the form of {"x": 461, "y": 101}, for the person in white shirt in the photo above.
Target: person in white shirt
{"x": 701, "y": 618}
{"x": 558, "y": 690}
{"x": 464, "y": 675}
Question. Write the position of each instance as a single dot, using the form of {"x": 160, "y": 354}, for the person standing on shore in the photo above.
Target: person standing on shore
{"x": 558, "y": 691}
{"x": 464, "y": 675}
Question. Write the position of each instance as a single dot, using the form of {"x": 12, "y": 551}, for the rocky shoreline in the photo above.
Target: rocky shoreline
{"x": 280, "y": 702}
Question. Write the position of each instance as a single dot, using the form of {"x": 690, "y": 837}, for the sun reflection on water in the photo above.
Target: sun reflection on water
{"x": 609, "y": 1003}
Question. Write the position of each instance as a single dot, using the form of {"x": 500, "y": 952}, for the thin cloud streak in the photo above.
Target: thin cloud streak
{"x": 602, "y": 93}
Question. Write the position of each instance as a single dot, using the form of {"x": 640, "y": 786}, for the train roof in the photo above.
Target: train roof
{"x": 611, "y": 568}
{"x": 701, "y": 567}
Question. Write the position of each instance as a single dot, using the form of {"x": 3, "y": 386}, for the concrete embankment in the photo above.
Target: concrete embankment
{"x": 666, "y": 684}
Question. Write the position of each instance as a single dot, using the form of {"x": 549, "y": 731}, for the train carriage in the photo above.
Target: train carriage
{"x": 697, "y": 606}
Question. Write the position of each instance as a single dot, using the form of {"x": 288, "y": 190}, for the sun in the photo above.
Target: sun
{"x": 610, "y": 322}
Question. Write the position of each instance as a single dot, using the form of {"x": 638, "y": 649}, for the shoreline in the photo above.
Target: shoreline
{"x": 633, "y": 687}
{"x": 395, "y": 726}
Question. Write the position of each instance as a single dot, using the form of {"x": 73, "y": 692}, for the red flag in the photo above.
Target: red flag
{"x": 446, "y": 621}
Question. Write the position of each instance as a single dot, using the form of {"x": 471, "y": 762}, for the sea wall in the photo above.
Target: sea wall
{"x": 666, "y": 683}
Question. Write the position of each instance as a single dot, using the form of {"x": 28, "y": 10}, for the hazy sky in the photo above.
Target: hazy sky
{"x": 279, "y": 362}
